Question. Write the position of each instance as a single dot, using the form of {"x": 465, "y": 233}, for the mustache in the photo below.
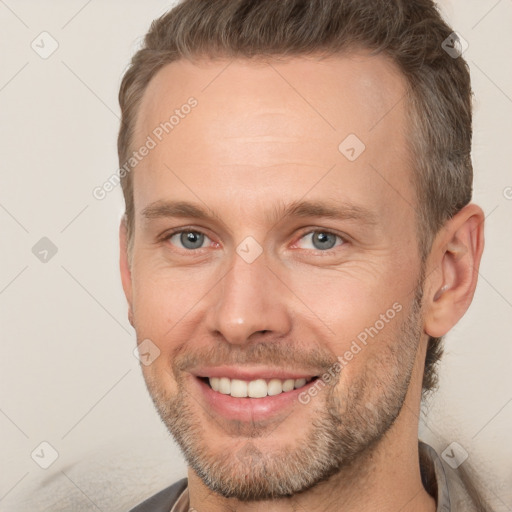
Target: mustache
{"x": 278, "y": 354}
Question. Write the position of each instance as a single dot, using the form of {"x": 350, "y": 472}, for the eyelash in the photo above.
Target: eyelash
{"x": 343, "y": 238}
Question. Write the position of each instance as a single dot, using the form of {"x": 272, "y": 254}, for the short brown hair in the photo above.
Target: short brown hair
{"x": 410, "y": 32}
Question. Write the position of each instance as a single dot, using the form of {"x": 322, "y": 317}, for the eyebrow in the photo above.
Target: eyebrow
{"x": 299, "y": 209}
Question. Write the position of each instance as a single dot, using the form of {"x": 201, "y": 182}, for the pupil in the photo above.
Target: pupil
{"x": 324, "y": 240}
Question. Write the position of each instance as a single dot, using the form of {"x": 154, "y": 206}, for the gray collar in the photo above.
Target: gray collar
{"x": 434, "y": 476}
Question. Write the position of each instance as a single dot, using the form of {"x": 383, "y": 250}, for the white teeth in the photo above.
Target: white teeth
{"x": 214, "y": 383}
{"x": 224, "y": 386}
{"x": 238, "y": 388}
{"x": 288, "y": 384}
{"x": 258, "y": 388}
{"x": 299, "y": 383}
{"x": 274, "y": 387}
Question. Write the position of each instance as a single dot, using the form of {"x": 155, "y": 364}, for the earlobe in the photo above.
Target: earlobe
{"x": 453, "y": 270}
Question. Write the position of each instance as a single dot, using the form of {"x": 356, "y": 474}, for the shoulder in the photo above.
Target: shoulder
{"x": 163, "y": 501}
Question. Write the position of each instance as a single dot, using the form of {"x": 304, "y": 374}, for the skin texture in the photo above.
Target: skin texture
{"x": 262, "y": 136}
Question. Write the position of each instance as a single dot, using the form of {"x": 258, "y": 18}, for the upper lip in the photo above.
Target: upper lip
{"x": 251, "y": 373}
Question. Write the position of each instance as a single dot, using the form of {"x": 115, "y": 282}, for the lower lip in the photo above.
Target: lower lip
{"x": 249, "y": 409}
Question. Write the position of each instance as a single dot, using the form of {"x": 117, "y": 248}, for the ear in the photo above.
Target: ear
{"x": 452, "y": 270}
{"x": 124, "y": 264}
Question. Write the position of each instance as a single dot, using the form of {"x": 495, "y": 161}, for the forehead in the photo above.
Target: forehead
{"x": 351, "y": 91}
{"x": 265, "y": 126}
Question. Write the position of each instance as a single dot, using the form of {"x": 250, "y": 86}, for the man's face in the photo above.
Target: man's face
{"x": 307, "y": 252}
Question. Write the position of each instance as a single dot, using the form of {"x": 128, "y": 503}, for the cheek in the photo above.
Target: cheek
{"x": 364, "y": 312}
{"x": 350, "y": 299}
{"x": 160, "y": 380}
{"x": 163, "y": 298}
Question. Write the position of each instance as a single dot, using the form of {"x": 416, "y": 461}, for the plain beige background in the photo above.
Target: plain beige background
{"x": 68, "y": 374}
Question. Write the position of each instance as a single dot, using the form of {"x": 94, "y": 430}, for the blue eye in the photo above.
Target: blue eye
{"x": 188, "y": 239}
{"x": 317, "y": 240}
{"x": 322, "y": 240}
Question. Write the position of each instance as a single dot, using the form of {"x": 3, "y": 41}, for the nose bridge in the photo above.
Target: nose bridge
{"x": 249, "y": 299}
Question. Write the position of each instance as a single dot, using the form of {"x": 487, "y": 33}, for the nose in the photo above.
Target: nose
{"x": 249, "y": 302}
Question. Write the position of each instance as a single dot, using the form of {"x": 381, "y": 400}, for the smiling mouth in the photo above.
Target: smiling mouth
{"x": 258, "y": 388}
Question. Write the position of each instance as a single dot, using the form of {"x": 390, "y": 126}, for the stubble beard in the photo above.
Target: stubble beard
{"x": 346, "y": 425}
